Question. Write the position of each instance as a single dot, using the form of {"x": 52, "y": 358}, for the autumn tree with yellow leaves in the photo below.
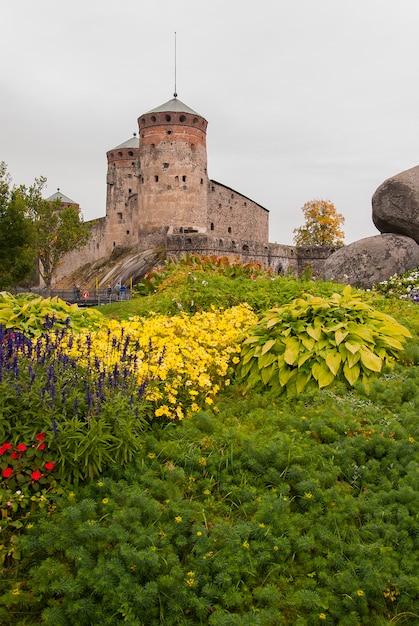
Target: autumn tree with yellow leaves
{"x": 322, "y": 225}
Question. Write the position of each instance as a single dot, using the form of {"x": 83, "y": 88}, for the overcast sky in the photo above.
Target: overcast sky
{"x": 304, "y": 99}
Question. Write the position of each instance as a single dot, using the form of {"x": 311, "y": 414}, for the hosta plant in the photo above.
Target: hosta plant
{"x": 32, "y": 314}
{"x": 319, "y": 340}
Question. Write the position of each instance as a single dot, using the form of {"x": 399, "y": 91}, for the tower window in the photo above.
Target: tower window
{"x": 192, "y": 146}
{"x": 119, "y": 154}
{"x": 165, "y": 166}
{"x": 195, "y": 120}
{"x": 182, "y": 118}
{"x": 129, "y": 190}
{"x": 127, "y": 232}
{"x": 202, "y": 181}
{"x": 184, "y": 179}
{"x": 229, "y": 229}
{"x": 167, "y": 118}
{"x": 153, "y": 118}
{"x": 169, "y": 132}
{"x": 153, "y": 146}
{"x": 143, "y": 121}
{"x": 130, "y": 152}
{"x": 120, "y": 216}
{"x": 212, "y": 225}
{"x": 245, "y": 248}
{"x": 156, "y": 178}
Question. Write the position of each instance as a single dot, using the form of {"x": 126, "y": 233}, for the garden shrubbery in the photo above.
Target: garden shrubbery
{"x": 142, "y": 483}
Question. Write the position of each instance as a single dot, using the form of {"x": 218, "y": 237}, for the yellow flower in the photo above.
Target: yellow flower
{"x": 322, "y": 616}
{"x": 207, "y": 492}
{"x": 190, "y": 582}
{"x": 411, "y": 440}
{"x": 202, "y": 461}
{"x": 191, "y": 574}
{"x": 276, "y": 548}
{"x": 15, "y": 592}
{"x": 360, "y": 593}
{"x": 151, "y": 455}
{"x": 178, "y": 519}
{"x": 261, "y": 525}
{"x": 199, "y": 534}
{"x": 100, "y": 484}
{"x": 246, "y": 545}
{"x": 308, "y": 495}
{"x": 105, "y": 500}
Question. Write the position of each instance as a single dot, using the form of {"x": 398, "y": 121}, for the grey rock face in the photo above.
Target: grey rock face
{"x": 372, "y": 260}
{"x": 395, "y": 204}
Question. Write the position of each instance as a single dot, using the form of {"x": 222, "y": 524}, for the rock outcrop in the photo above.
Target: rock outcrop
{"x": 395, "y": 204}
{"x": 372, "y": 260}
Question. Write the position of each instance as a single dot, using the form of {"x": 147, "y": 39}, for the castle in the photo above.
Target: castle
{"x": 159, "y": 195}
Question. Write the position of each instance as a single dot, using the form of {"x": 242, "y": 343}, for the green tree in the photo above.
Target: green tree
{"x": 322, "y": 225}
{"x": 17, "y": 235}
{"x": 58, "y": 230}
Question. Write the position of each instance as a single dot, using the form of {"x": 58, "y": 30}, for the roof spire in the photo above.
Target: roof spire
{"x": 175, "y": 94}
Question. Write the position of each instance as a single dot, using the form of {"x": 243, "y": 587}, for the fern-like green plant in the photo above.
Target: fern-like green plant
{"x": 320, "y": 340}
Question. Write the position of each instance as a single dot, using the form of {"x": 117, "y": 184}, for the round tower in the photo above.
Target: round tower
{"x": 172, "y": 174}
{"x": 122, "y": 194}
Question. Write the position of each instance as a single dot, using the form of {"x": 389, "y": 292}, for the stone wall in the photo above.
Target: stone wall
{"x": 232, "y": 215}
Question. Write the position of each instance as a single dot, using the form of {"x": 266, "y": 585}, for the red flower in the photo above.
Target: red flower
{"x": 40, "y": 436}
{"x": 7, "y": 472}
{"x": 49, "y": 465}
{"x": 15, "y": 455}
{"x": 36, "y": 475}
{"x": 41, "y": 446}
{"x": 21, "y": 447}
{"x": 4, "y": 447}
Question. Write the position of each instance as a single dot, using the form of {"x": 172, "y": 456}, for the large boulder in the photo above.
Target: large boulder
{"x": 372, "y": 260}
{"x": 395, "y": 204}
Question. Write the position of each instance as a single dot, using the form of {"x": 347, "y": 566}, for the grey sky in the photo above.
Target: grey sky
{"x": 304, "y": 98}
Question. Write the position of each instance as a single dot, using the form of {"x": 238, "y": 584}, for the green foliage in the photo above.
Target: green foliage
{"x": 17, "y": 255}
{"x": 257, "y": 514}
{"x": 33, "y": 314}
{"x": 295, "y": 511}
{"x": 320, "y": 340}
{"x": 195, "y": 285}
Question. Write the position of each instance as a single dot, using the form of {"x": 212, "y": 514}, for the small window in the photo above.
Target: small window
{"x": 111, "y": 154}
{"x": 182, "y": 118}
{"x": 212, "y": 188}
{"x": 245, "y": 248}
{"x": 153, "y": 146}
{"x": 195, "y": 120}
{"x": 212, "y": 225}
{"x": 220, "y": 243}
{"x": 142, "y": 180}
{"x": 153, "y": 118}
{"x": 229, "y": 229}
{"x": 119, "y": 154}
{"x": 132, "y": 163}
{"x": 169, "y": 132}
{"x": 183, "y": 179}
{"x": 192, "y": 146}
{"x": 143, "y": 120}
{"x": 167, "y": 118}
{"x": 129, "y": 190}
{"x": 165, "y": 166}
{"x": 156, "y": 178}
{"x": 130, "y": 152}
{"x": 189, "y": 240}
{"x": 129, "y": 176}
{"x": 127, "y": 232}
{"x": 202, "y": 181}
{"x": 120, "y": 216}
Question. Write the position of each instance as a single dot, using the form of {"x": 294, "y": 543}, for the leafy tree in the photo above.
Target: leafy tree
{"x": 17, "y": 252}
{"x": 34, "y": 229}
{"x": 59, "y": 230}
{"x": 322, "y": 225}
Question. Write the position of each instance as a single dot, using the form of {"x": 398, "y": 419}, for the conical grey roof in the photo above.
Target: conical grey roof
{"x": 61, "y": 196}
{"x": 132, "y": 142}
{"x": 174, "y": 106}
